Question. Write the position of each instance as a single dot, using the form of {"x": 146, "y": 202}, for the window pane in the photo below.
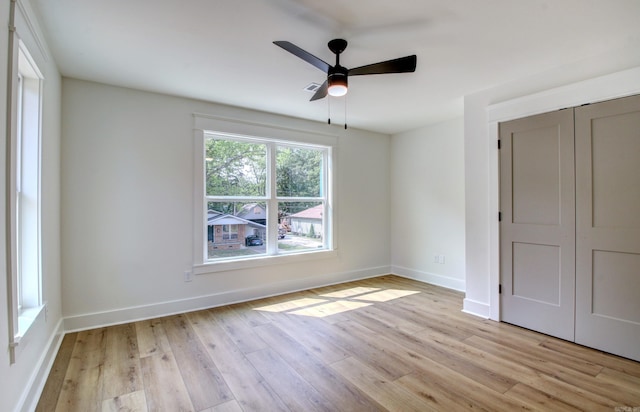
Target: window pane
{"x": 28, "y": 184}
{"x": 299, "y": 171}
{"x": 235, "y": 168}
{"x": 236, "y": 229}
{"x": 301, "y": 226}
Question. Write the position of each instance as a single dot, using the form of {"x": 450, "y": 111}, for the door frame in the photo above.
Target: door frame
{"x": 612, "y": 86}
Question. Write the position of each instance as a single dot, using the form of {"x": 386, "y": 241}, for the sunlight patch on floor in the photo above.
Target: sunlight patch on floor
{"x": 337, "y": 302}
{"x": 347, "y": 293}
{"x": 291, "y": 304}
{"x": 386, "y": 295}
{"x": 328, "y": 309}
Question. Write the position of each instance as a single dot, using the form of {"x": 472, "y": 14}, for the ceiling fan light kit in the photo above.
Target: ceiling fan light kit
{"x": 337, "y": 82}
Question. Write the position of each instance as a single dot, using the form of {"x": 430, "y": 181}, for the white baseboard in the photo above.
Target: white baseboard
{"x": 469, "y": 306}
{"x": 476, "y": 308}
{"x": 431, "y": 278}
{"x": 131, "y": 314}
{"x": 33, "y": 389}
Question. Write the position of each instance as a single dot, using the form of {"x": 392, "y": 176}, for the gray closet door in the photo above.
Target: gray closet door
{"x": 608, "y": 226}
{"x": 537, "y": 232}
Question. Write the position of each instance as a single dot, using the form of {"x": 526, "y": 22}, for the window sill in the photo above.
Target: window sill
{"x": 26, "y": 320}
{"x": 27, "y": 317}
{"x": 213, "y": 267}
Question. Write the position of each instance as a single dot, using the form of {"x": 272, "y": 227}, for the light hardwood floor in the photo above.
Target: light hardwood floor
{"x": 386, "y": 343}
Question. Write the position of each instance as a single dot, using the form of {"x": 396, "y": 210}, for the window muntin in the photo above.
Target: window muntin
{"x": 258, "y": 185}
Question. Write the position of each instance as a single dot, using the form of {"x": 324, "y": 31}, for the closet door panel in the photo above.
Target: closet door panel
{"x": 608, "y": 226}
{"x": 537, "y": 232}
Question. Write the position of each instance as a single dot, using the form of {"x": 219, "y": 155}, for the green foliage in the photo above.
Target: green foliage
{"x": 298, "y": 172}
{"x": 235, "y": 168}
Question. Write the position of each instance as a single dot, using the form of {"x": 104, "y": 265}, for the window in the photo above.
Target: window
{"x": 230, "y": 232}
{"x": 263, "y": 197}
{"x": 24, "y": 193}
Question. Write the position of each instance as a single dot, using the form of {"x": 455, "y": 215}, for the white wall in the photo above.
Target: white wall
{"x": 21, "y": 382}
{"x": 127, "y": 198}
{"x": 427, "y": 204}
{"x": 574, "y": 84}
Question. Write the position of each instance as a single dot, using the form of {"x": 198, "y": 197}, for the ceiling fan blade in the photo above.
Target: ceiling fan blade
{"x": 321, "y": 92}
{"x": 304, "y": 55}
{"x": 401, "y": 65}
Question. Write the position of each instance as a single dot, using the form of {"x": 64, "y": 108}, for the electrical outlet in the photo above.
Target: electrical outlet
{"x": 441, "y": 259}
{"x": 188, "y": 276}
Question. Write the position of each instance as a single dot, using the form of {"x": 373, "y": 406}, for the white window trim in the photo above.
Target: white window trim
{"x": 204, "y": 124}
{"x": 28, "y": 55}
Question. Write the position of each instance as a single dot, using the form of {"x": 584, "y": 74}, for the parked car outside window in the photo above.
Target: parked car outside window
{"x": 253, "y": 240}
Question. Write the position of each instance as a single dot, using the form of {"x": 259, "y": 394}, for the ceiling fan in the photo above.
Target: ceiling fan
{"x": 337, "y": 76}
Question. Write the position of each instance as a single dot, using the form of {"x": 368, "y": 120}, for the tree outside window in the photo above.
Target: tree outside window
{"x": 258, "y": 189}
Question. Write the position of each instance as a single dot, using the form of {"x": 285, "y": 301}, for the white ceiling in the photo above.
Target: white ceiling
{"x": 222, "y": 51}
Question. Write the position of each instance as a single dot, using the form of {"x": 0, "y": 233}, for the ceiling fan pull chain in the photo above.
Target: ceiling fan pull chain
{"x": 345, "y": 112}
{"x": 328, "y": 111}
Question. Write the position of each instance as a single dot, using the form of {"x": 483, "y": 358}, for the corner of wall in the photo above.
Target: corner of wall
{"x": 431, "y": 278}
{"x": 475, "y": 308}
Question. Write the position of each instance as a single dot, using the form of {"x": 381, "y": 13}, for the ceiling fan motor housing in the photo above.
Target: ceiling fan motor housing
{"x": 337, "y": 76}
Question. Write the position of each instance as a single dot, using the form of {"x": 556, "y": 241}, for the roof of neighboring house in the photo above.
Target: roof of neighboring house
{"x": 213, "y": 213}
{"x": 227, "y": 220}
{"x": 253, "y": 211}
{"x": 258, "y": 225}
{"x": 311, "y": 213}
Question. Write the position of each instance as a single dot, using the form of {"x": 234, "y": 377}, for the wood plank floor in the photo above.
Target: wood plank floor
{"x": 386, "y": 343}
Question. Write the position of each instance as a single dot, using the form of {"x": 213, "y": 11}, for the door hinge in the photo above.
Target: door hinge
{"x": 499, "y": 144}
{"x": 499, "y": 216}
{"x": 500, "y": 289}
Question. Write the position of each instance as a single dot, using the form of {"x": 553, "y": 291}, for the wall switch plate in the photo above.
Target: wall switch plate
{"x": 188, "y": 276}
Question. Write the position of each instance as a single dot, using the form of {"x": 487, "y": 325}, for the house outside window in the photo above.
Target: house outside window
{"x": 253, "y": 187}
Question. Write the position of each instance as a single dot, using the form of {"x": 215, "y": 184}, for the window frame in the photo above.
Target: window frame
{"x": 206, "y": 126}
{"x": 24, "y": 261}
